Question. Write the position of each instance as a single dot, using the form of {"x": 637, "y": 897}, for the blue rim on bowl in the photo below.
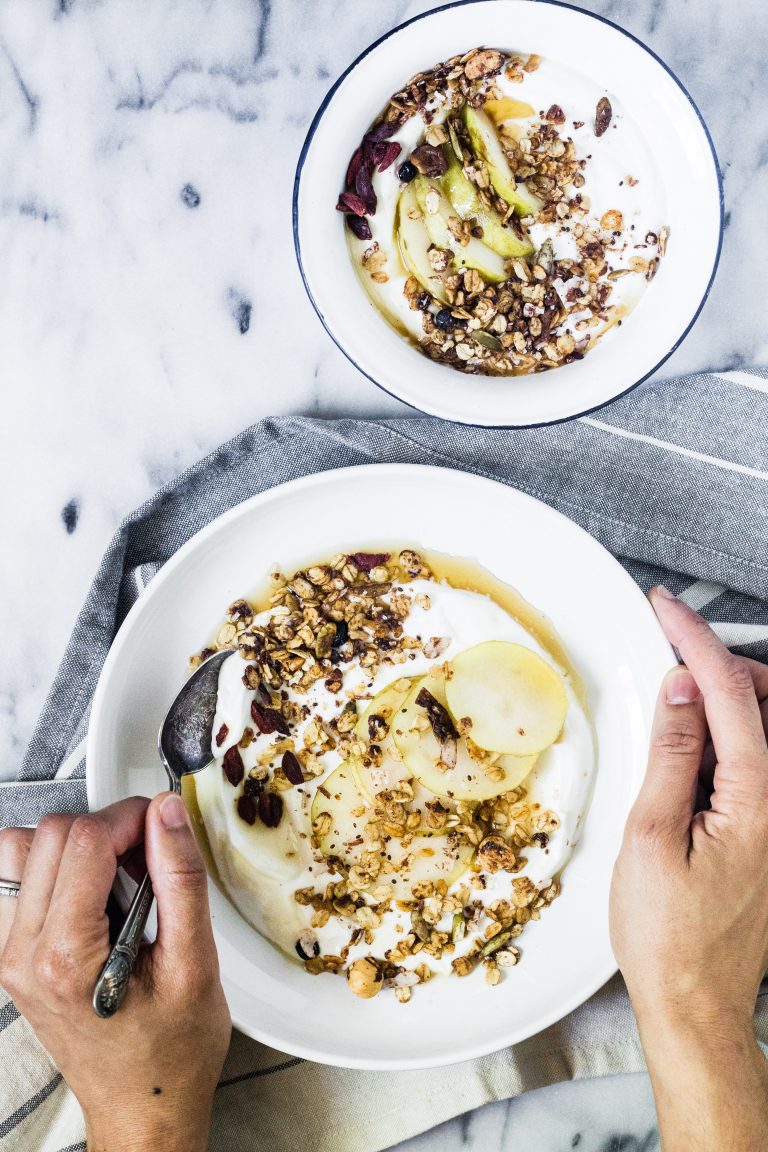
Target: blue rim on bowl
{"x": 460, "y": 4}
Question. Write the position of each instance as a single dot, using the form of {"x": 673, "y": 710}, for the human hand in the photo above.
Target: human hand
{"x": 144, "y": 1078}
{"x": 689, "y": 901}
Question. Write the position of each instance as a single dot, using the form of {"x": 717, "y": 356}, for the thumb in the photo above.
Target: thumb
{"x": 666, "y": 799}
{"x": 178, "y": 877}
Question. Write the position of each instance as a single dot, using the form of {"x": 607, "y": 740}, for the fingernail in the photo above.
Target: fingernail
{"x": 172, "y": 812}
{"x": 664, "y": 592}
{"x": 680, "y": 687}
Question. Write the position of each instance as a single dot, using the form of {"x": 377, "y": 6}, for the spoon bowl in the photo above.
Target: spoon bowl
{"x": 185, "y": 736}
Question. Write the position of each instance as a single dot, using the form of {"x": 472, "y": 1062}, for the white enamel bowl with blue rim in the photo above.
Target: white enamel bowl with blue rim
{"x": 663, "y": 113}
{"x": 611, "y": 635}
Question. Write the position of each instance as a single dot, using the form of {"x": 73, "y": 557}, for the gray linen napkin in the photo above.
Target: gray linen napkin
{"x": 673, "y": 479}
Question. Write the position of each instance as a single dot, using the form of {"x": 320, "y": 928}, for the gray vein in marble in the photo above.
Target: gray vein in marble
{"x": 265, "y": 9}
{"x": 31, "y": 101}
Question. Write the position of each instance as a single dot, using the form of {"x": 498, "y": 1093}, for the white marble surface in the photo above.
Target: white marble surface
{"x": 150, "y": 304}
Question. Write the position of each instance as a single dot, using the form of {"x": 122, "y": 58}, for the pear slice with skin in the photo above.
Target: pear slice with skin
{"x": 474, "y": 254}
{"x": 414, "y": 243}
{"x": 462, "y": 194}
{"x": 469, "y": 778}
{"x": 515, "y": 700}
{"x": 486, "y": 144}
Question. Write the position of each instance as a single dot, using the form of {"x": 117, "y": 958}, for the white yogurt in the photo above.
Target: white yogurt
{"x": 261, "y": 867}
{"x": 621, "y": 152}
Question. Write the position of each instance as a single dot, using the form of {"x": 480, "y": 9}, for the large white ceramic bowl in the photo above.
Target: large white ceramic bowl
{"x": 614, "y": 641}
{"x": 686, "y": 166}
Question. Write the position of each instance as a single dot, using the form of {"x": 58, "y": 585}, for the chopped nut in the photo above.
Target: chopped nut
{"x": 365, "y": 977}
{"x": 612, "y": 221}
{"x": 429, "y": 160}
{"x": 555, "y": 114}
{"x": 483, "y": 63}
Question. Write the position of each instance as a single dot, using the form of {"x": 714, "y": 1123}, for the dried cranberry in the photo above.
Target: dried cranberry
{"x": 246, "y": 809}
{"x": 292, "y": 768}
{"x": 382, "y": 131}
{"x": 365, "y": 561}
{"x": 350, "y": 202}
{"x": 389, "y": 155}
{"x": 359, "y": 226}
{"x": 221, "y": 735}
{"x": 406, "y": 172}
{"x": 268, "y": 720}
{"x": 364, "y": 189}
{"x": 354, "y": 167}
{"x": 234, "y": 769}
{"x": 270, "y": 809}
{"x": 373, "y": 153}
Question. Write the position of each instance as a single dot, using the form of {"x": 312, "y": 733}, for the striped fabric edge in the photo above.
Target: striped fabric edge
{"x": 29, "y": 1106}
{"x": 25, "y": 803}
{"x": 8, "y": 1014}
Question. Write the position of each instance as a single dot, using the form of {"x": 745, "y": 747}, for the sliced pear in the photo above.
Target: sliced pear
{"x": 341, "y": 799}
{"x": 462, "y": 194}
{"x": 425, "y": 858}
{"x": 474, "y": 254}
{"x": 469, "y": 778}
{"x": 414, "y": 242}
{"x": 515, "y": 700}
{"x": 486, "y": 144}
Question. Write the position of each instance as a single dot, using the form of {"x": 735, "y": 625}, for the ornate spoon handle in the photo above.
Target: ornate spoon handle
{"x": 112, "y": 984}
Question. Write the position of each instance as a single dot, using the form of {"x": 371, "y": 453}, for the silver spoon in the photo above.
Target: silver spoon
{"x": 184, "y": 745}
